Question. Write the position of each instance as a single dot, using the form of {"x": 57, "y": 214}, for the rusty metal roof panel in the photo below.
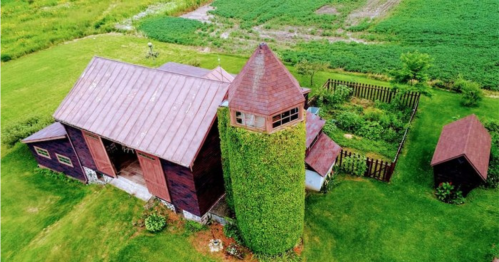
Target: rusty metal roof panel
{"x": 161, "y": 113}
{"x": 314, "y": 126}
{"x": 51, "y": 132}
{"x": 465, "y": 137}
{"x": 323, "y": 154}
{"x": 182, "y": 69}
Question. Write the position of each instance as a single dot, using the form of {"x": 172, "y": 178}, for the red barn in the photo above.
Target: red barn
{"x": 150, "y": 132}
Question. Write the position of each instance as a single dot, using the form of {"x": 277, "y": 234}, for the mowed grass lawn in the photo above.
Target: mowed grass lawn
{"x": 360, "y": 220}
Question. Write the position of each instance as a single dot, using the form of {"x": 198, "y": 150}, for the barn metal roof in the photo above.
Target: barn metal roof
{"x": 322, "y": 154}
{"x": 182, "y": 69}
{"x": 264, "y": 86}
{"x": 465, "y": 137}
{"x": 51, "y": 132}
{"x": 314, "y": 126}
{"x": 161, "y": 113}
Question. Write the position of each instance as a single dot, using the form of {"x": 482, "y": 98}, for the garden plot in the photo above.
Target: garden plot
{"x": 362, "y": 126}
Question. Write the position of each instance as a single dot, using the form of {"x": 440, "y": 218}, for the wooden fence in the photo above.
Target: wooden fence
{"x": 374, "y": 92}
{"x": 376, "y": 168}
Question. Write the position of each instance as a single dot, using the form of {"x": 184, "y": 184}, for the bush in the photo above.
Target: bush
{"x": 322, "y": 97}
{"x": 373, "y": 114}
{"x": 267, "y": 174}
{"x": 370, "y": 130}
{"x": 354, "y": 165}
{"x": 447, "y": 193}
{"x": 459, "y": 84}
{"x": 155, "y": 223}
{"x": 349, "y": 121}
{"x": 472, "y": 95}
{"x": 13, "y": 133}
{"x": 341, "y": 94}
{"x": 231, "y": 230}
{"x": 6, "y": 57}
{"x": 390, "y": 135}
{"x": 193, "y": 227}
{"x": 56, "y": 176}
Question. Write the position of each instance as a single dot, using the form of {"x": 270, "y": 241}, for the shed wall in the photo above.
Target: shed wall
{"x": 61, "y": 147}
{"x": 459, "y": 172}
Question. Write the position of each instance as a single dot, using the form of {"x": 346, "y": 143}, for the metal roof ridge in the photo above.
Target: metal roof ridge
{"x": 156, "y": 69}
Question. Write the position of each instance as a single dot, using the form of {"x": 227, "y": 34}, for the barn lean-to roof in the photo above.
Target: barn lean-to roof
{"x": 323, "y": 154}
{"x": 314, "y": 126}
{"x": 161, "y": 113}
{"x": 51, "y": 132}
{"x": 465, "y": 137}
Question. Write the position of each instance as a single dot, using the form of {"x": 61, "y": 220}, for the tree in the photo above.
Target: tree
{"x": 306, "y": 68}
{"x": 414, "y": 69}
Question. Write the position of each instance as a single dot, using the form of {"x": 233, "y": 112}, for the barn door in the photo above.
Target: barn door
{"x": 154, "y": 176}
{"x": 99, "y": 154}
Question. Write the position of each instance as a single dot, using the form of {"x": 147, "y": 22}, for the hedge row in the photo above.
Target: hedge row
{"x": 267, "y": 179}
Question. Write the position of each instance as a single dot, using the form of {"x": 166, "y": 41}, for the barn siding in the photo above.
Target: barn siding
{"x": 181, "y": 186}
{"x": 207, "y": 171}
{"x": 80, "y": 146}
{"x": 459, "y": 172}
{"x": 61, "y": 147}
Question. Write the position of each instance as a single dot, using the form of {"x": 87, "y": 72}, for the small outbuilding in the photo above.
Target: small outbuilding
{"x": 462, "y": 154}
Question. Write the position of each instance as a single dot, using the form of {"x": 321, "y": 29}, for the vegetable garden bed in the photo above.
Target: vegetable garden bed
{"x": 369, "y": 122}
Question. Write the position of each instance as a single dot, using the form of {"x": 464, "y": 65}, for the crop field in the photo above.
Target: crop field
{"x": 459, "y": 35}
{"x": 356, "y": 36}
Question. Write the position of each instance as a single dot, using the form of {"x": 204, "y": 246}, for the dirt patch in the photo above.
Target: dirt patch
{"x": 373, "y": 9}
{"x": 201, "y": 14}
{"x": 327, "y": 10}
{"x": 201, "y": 240}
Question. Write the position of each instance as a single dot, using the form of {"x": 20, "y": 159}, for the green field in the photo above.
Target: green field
{"x": 359, "y": 220}
{"x": 29, "y": 26}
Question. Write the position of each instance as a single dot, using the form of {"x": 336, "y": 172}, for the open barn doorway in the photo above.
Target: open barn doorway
{"x": 125, "y": 161}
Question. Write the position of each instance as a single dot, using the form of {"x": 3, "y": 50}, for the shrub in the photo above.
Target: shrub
{"x": 341, "y": 94}
{"x": 349, "y": 121}
{"x": 6, "y": 57}
{"x": 231, "y": 230}
{"x": 472, "y": 95}
{"x": 354, "y": 165}
{"x": 13, "y": 133}
{"x": 447, "y": 193}
{"x": 322, "y": 97}
{"x": 459, "y": 84}
{"x": 370, "y": 130}
{"x": 155, "y": 223}
{"x": 193, "y": 227}
{"x": 390, "y": 135}
{"x": 330, "y": 127}
{"x": 267, "y": 174}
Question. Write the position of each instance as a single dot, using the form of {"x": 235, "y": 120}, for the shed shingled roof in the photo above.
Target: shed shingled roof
{"x": 314, "y": 126}
{"x": 264, "y": 86}
{"x": 322, "y": 154}
{"x": 161, "y": 113}
{"x": 465, "y": 137}
{"x": 51, "y": 132}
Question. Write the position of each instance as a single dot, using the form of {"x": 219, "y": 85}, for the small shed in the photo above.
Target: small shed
{"x": 53, "y": 150}
{"x": 462, "y": 154}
